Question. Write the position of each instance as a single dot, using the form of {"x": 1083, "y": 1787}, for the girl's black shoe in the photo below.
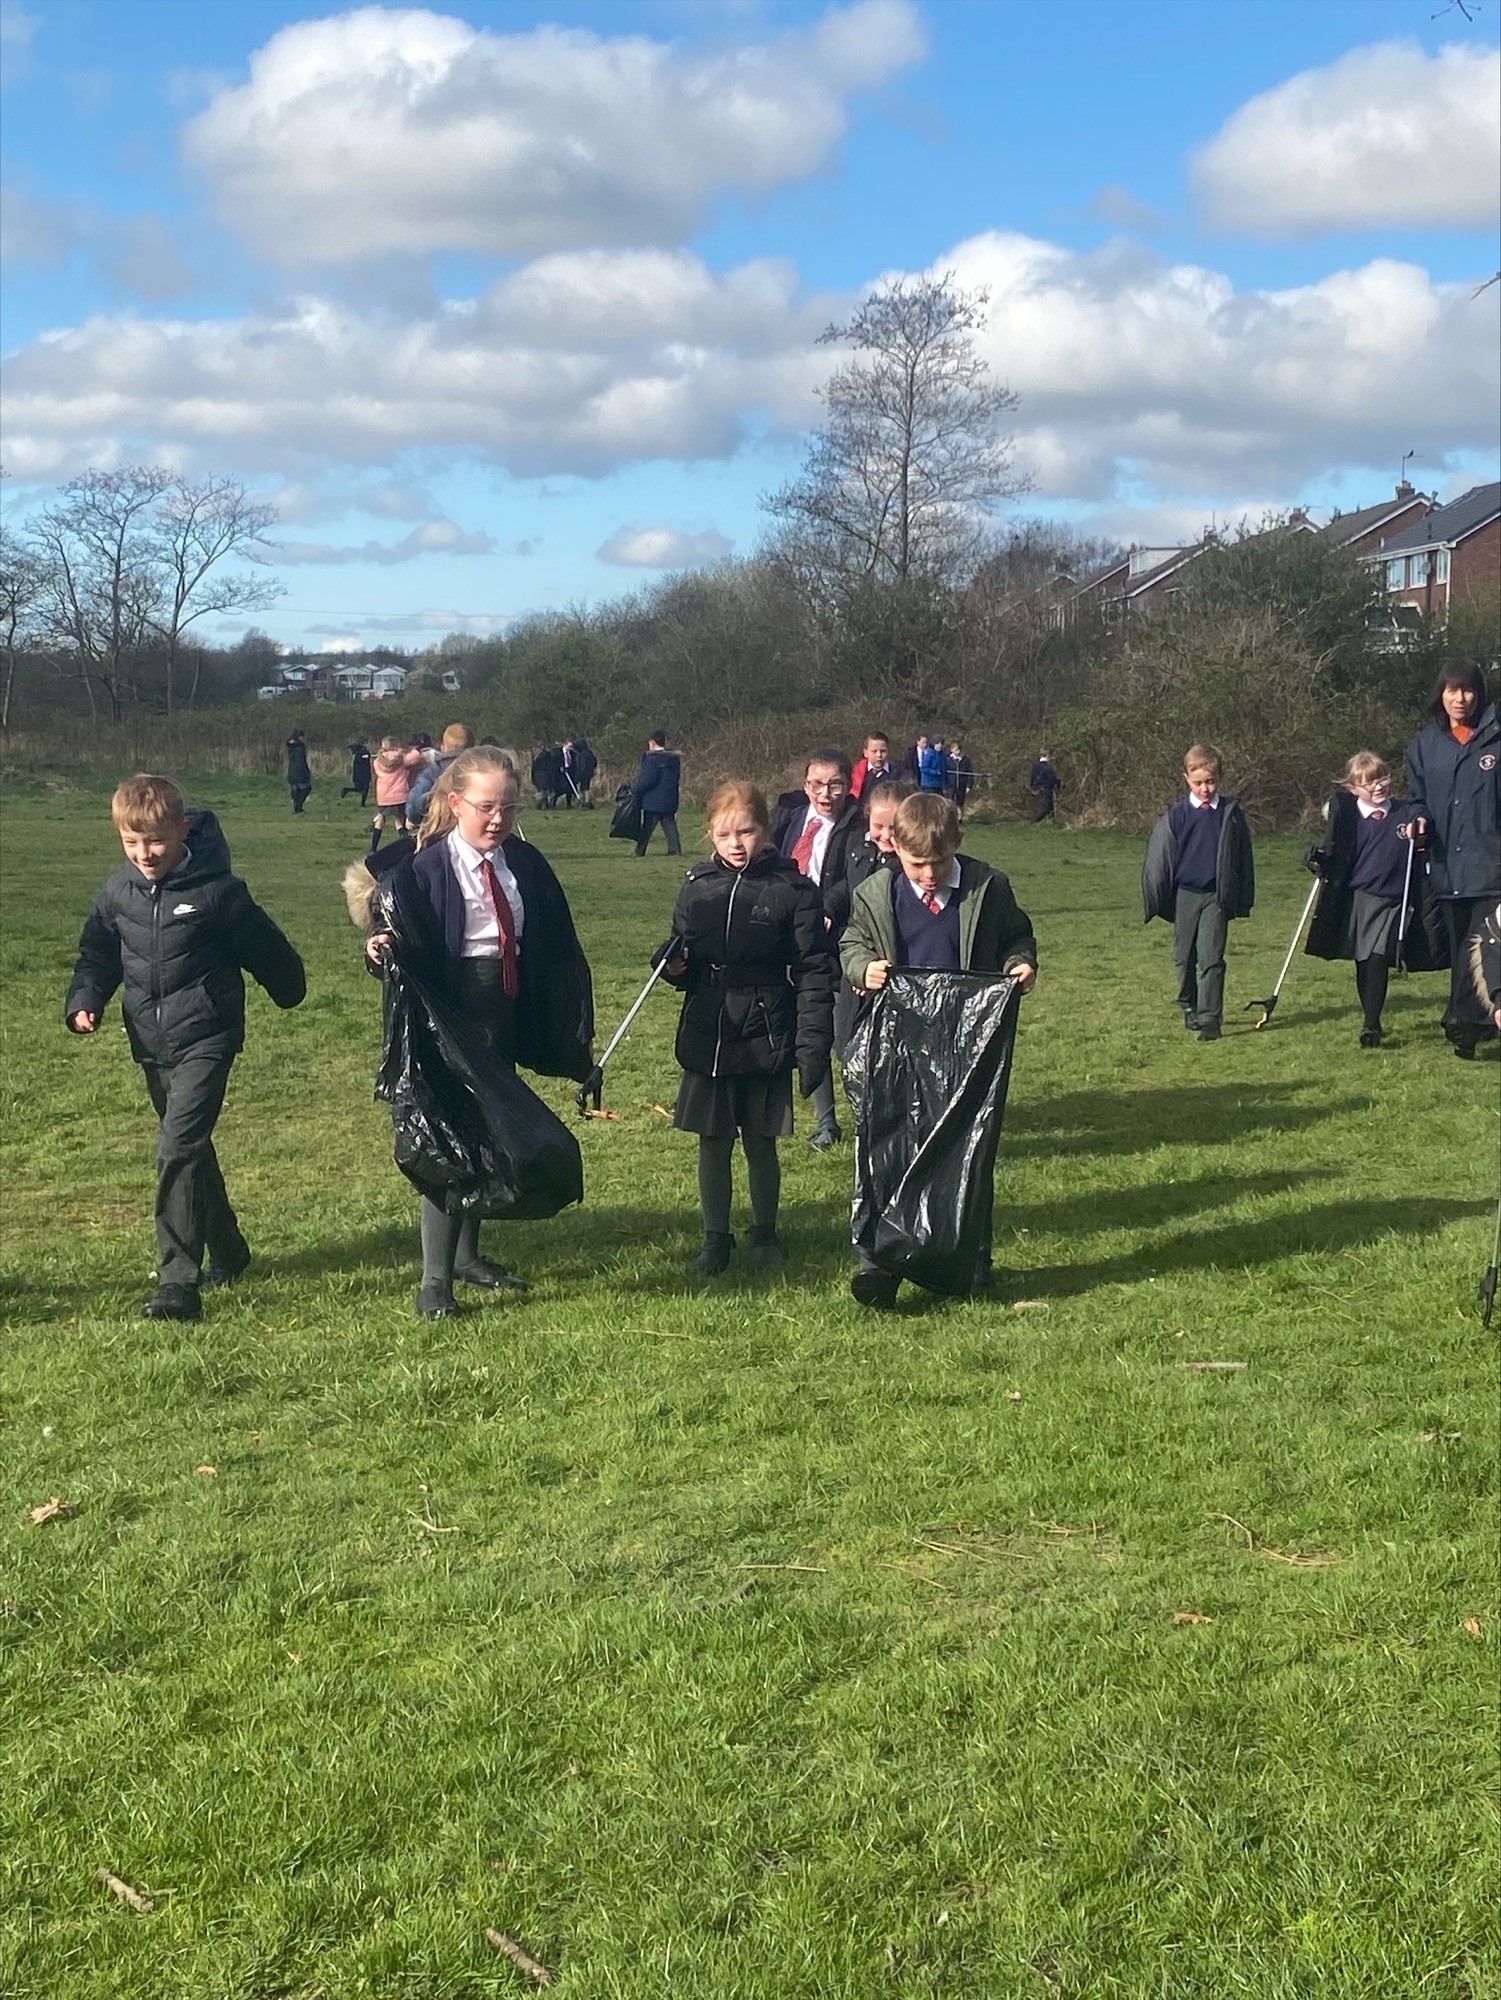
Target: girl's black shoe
{"x": 714, "y": 1258}
{"x": 173, "y": 1302}
{"x": 875, "y": 1288}
{"x": 1371, "y": 1038}
{"x": 436, "y": 1302}
{"x": 766, "y": 1250}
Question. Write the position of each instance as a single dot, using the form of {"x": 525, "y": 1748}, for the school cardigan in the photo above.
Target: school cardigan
{"x": 995, "y": 933}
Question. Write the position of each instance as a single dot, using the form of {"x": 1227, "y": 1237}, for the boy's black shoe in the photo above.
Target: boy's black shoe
{"x": 218, "y": 1275}
{"x": 173, "y": 1302}
{"x": 714, "y": 1258}
{"x": 1371, "y": 1038}
{"x": 1464, "y": 1049}
{"x": 766, "y": 1250}
{"x": 490, "y": 1277}
{"x": 1209, "y": 1031}
{"x": 436, "y": 1302}
{"x": 1190, "y": 1020}
{"x": 825, "y": 1137}
{"x": 874, "y": 1288}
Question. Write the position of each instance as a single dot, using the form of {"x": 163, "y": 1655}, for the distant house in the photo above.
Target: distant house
{"x": 1449, "y": 555}
{"x": 1366, "y": 527}
{"x": 367, "y": 683}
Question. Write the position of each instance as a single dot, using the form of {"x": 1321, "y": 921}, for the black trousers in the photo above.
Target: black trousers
{"x": 299, "y": 796}
{"x": 669, "y": 825}
{"x": 1044, "y": 806}
{"x": 192, "y": 1208}
{"x": 1466, "y": 1018}
{"x": 1200, "y": 934}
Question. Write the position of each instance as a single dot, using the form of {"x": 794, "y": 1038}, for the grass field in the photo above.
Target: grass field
{"x": 723, "y": 1640}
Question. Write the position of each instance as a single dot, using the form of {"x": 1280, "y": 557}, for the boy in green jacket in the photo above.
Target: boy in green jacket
{"x": 945, "y": 910}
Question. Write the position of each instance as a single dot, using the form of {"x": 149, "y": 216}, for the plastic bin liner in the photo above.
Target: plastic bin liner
{"x": 470, "y": 1135}
{"x": 927, "y": 1072}
{"x": 625, "y": 822}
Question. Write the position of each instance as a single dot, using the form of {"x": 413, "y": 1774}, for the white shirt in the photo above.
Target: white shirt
{"x": 822, "y": 829}
{"x": 481, "y": 931}
{"x": 940, "y": 896}
{"x": 1204, "y": 805}
{"x": 1368, "y": 811}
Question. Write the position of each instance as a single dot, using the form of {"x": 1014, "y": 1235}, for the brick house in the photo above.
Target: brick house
{"x": 1366, "y": 528}
{"x": 1451, "y": 555}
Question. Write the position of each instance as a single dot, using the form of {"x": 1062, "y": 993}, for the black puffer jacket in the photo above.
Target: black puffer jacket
{"x": 1456, "y": 787}
{"x": 177, "y": 947}
{"x": 758, "y": 991}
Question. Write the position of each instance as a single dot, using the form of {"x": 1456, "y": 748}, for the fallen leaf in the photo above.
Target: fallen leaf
{"x": 1030, "y": 1306}
{"x": 1013, "y": 1395}
{"x": 609, "y": 1117}
{"x": 51, "y": 1510}
{"x": 205, "y": 1472}
{"x": 660, "y": 1109}
{"x": 1472, "y": 1626}
{"x": 1192, "y": 1618}
{"x": 1214, "y": 1367}
{"x": 519, "y": 1956}
{"x": 133, "y": 1898}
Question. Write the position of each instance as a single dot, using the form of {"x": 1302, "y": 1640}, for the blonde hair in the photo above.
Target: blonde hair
{"x": 1202, "y": 757}
{"x": 458, "y": 736}
{"x": 145, "y": 804}
{"x": 1365, "y": 768}
{"x": 390, "y": 743}
{"x": 927, "y": 827}
{"x": 736, "y": 795}
{"x": 439, "y": 819}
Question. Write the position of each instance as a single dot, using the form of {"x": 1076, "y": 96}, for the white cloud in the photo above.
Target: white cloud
{"x": 483, "y": 624}
{"x": 579, "y": 363}
{"x": 134, "y": 253}
{"x": 1387, "y": 136}
{"x": 387, "y": 129}
{"x": 434, "y": 538}
{"x": 664, "y": 548}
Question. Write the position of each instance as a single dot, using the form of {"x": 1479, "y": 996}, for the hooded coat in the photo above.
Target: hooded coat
{"x": 758, "y": 989}
{"x": 995, "y": 933}
{"x": 179, "y": 949}
{"x": 1456, "y": 787}
{"x": 1234, "y": 873}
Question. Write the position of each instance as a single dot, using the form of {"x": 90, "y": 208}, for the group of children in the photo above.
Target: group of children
{"x": 792, "y": 925}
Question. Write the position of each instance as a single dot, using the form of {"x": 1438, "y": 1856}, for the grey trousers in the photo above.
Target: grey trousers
{"x": 192, "y": 1207}
{"x": 1200, "y": 933}
{"x": 669, "y": 825}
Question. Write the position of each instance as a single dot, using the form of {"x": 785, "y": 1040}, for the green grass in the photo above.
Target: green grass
{"x": 768, "y": 1648}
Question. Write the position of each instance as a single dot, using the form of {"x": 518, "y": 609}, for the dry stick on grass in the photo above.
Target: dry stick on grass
{"x": 1214, "y": 1367}
{"x": 1255, "y": 1547}
{"x": 981, "y": 1549}
{"x": 431, "y": 1527}
{"x": 519, "y": 1956}
{"x": 808, "y": 1569}
{"x": 142, "y": 1905}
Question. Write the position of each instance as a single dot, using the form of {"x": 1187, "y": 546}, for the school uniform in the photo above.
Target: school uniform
{"x": 866, "y": 775}
{"x": 656, "y": 792}
{"x": 177, "y": 950}
{"x": 819, "y": 848}
{"x": 1363, "y": 866}
{"x": 359, "y": 773}
{"x": 1199, "y": 875}
{"x": 1454, "y": 777}
{"x": 1044, "y": 782}
{"x": 299, "y": 774}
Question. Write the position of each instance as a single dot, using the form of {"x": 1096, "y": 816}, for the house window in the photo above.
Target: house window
{"x": 1441, "y": 566}
{"x": 1396, "y": 573}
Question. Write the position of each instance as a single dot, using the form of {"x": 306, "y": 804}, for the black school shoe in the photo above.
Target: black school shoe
{"x": 1371, "y": 1038}
{"x": 1190, "y": 1020}
{"x": 1209, "y": 1031}
{"x": 825, "y": 1137}
{"x": 490, "y": 1277}
{"x": 714, "y": 1259}
{"x": 173, "y": 1302}
{"x": 875, "y": 1288}
{"x": 436, "y": 1302}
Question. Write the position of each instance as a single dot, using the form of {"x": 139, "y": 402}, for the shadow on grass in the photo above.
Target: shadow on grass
{"x": 1150, "y": 1207}
{"x": 1138, "y": 1121}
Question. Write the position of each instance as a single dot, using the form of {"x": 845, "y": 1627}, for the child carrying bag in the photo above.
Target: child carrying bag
{"x": 927, "y": 1073}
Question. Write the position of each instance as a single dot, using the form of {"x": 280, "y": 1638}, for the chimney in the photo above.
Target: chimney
{"x": 1406, "y": 490}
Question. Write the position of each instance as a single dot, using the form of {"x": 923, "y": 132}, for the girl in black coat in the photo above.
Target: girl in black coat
{"x": 757, "y": 975}
{"x": 1453, "y": 775}
{"x": 1362, "y": 863}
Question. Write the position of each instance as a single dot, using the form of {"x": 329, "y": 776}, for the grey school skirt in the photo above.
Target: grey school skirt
{"x": 1373, "y": 925}
{"x": 717, "y": 1107}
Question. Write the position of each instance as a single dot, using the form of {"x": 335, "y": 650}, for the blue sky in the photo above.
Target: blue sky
{"x": 489, "y": 299}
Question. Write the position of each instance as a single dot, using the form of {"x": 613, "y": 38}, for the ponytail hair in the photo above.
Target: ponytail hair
{"x": 438, "y": 820}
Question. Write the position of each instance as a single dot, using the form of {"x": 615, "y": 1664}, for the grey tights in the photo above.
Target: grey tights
{"x": 763, "y": 1170}
{"x": 447, "y": 1241}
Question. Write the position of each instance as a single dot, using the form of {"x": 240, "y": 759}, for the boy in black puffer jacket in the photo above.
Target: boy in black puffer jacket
{"x": 174, "y": 928}
{"x": 757, "y": 973}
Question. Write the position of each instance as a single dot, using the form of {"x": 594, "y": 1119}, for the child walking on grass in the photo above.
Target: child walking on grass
{"x": 482, "y": 918}
{"x": 757, "y": 974}
{"x": 940, "y": 910}
{"x": 1362, "y": 862}
{"x": 175, "y": 930}
{"x": 1198, "y": 875}
{"x": 395, "y": 768}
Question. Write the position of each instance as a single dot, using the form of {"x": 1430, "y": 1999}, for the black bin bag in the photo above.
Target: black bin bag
{"x": 470, "y": 1135}
{"x": 625, "y": 821}
{"x": 927, "y": 1072}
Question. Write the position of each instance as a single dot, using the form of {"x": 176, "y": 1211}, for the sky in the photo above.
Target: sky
{"x": 508, "y": 308}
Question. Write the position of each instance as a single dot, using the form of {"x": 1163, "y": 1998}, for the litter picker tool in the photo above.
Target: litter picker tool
{"x": 593, "y": 1085}
{"x": 1486, "y": 1290}
{"x": 1406, "y": 910}
{"x": 1269, "y": 1005}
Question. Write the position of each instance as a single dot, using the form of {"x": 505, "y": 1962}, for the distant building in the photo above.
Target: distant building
{"x": 368, "y": 683}
{"x": 1449, "y": 555}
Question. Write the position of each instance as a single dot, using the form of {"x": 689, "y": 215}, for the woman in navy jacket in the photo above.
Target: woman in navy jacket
{"x": 1456, "y": 799}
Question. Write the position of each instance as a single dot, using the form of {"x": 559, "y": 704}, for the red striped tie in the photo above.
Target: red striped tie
{"x": 505, "y": 923}
{"x": 802, "y": 854}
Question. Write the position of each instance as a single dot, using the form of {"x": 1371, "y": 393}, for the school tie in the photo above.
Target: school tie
{"x": 934, "y": 906}
{"x": 1378, "y": 812}
{"x": 802, "y": 854}
{"x": 505, "y": 922}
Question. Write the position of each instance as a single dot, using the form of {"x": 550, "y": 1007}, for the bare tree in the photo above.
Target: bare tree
{"x": 195, "y": 528}
{"x": 103, "y": 574}
{"x": 21, "y": 587}
{"x": 914, "y": 453}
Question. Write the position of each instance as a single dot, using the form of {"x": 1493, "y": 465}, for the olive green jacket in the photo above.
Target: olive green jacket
{"x": 995, "y": 934}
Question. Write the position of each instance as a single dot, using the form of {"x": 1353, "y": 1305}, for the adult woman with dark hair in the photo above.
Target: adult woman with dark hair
{"x": 1455, "y": 791}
